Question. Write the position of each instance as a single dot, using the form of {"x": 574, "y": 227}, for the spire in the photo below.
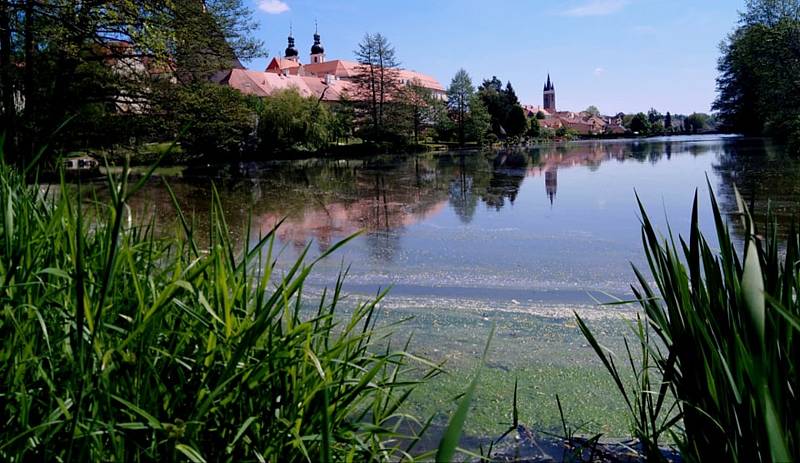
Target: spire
{"x": 291, "y": 51}
{"x": 549, "y": 95}
{"x": 317, "y": 49}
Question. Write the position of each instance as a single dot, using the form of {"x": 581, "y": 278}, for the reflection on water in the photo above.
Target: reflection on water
{"x": 517, "y": 238}
{"x": 546, "y": 222}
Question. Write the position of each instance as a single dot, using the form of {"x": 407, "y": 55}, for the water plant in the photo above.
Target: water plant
{"x": 727, "y": 326}
{"x": 119, "y": 344}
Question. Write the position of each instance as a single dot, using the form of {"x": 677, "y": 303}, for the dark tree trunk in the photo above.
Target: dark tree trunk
{"x": 27, "y": 145}
{"x": 7, "y": 81}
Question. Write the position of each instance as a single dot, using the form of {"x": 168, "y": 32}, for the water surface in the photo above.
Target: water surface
{"x": 519, "y": 238}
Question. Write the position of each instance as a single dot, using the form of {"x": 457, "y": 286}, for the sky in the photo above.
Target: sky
{"x": 619, "y": 55}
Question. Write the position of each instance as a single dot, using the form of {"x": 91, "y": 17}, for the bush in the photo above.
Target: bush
{"x": 290, "y": 122}
{"x": 118, "y": 345}
{"x": 219, "y": 121}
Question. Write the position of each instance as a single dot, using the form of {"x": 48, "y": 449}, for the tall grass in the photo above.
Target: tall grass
{"x": 727, "y": 344}
{"x": 120, "y": 345}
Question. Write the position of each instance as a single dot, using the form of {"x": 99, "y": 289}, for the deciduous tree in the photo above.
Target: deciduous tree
{"x": 757, "y": 89}
{"x": 62, "y": 58}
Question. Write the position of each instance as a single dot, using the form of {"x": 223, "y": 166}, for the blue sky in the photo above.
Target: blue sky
{"x": 620, "y": 55}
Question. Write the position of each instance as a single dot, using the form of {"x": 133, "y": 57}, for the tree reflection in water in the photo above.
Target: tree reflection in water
{"x": 326, "y": 200}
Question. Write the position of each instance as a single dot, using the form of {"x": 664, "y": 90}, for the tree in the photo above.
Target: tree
{"x": 492, "y": 94}
{"x": 64, "y": 58}
{"x": 535, "y": 129}
{"x": 342, "y": 121}
{"x": 377, "y": 81}
{"x": 639, "y": 124}
{"x": 416, "y": 102}
{"x": 442, "y": 123}
{"x": 770, "y": 12}
{"x": 653, "y": 116}
{"x": 757, "y": 88}
{"x": 459, "y": 96}
{"x": 540, "y": 115}
{"x": 593, "y": 110}
{"x": 290, "y": 122}
{"x": 479, "y": 123}
{"x": 516, "y": 122}
{"x": 668, "y": 121}
{"x": 508, "y": 117}
{"x": 209, "y": 131}
{"x": 697, "y": 122}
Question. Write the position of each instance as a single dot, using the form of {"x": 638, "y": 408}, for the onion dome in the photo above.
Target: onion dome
{"x": 291, "y": 51}
{"x": 317, "y": 49}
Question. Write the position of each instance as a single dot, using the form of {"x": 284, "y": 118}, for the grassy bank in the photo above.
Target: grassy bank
{"x": 120, "y": 345}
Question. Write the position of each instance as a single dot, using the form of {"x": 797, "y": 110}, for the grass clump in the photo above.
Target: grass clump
{"x": 727, "y": 326}
{"x": 119, "y": 345}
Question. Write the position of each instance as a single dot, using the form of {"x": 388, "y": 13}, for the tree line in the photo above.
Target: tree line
{"x": 128, "y": 73}
{"x": 758, "y": 89}
{"x": 115, "y": 70}
{"x": 653, "y": 123}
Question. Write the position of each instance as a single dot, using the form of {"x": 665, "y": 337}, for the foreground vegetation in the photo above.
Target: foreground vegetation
{"x": 119, "y": 345}
{"x": 725, "y": 348}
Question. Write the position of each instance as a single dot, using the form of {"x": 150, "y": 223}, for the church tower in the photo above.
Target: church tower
{"x": 291, "y": 52}
{"x": 317, "y": 52}
{"x": 549, "y": 96}
{"x": 551, "y": 183}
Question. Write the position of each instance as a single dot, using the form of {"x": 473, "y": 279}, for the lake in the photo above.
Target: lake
{"x": 516, "y": 238}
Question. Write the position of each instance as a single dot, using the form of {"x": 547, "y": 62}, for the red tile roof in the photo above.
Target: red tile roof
{"x": 264, "y": 84}
{"x": 348, "y": 70}
{"x": 278, "y": 65}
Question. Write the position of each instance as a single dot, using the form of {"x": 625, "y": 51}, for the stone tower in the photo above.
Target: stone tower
{"x": 317, "y": 52}
{"x": 549, "y": 96}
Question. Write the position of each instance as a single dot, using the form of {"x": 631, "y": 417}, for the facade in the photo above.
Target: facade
{"x": 329, "y": 81}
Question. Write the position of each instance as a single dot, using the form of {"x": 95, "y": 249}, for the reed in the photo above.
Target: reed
{"x": 726, "y": 350}
{"x": 118, "y": 344}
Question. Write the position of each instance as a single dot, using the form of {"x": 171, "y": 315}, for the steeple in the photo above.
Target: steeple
{"x": 317, "y": 51}
{"x": 551, "y": 184}
{"x": 549, "y": 95}
{"x": 291, "y": 52}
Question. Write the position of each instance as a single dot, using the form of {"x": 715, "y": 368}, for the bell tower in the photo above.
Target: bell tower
{"x": 317, "y": 51}
{"x": 291, "y": 52}
{"x": 549, "y": 95}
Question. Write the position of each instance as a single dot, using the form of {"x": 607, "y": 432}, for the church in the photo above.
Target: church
{"x": 582, "y": 123}
{"x": 329, "y": 81}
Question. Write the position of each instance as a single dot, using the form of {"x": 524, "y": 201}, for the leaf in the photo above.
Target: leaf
{"x": 56, "y": 273}
{"x": 192, "y": 454}
{"x": 777, "y": 442}
{"x": 752, "y": 278}
{"x": 151, "y": 420}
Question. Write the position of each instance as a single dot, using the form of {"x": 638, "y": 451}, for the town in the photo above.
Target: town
{"x": 336, "y": 82}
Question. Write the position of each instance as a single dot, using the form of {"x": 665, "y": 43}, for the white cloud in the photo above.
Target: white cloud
{"x": 597, "y": 8}
{"x": 273, "y": 6}
{"x": 598, "y": 72}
